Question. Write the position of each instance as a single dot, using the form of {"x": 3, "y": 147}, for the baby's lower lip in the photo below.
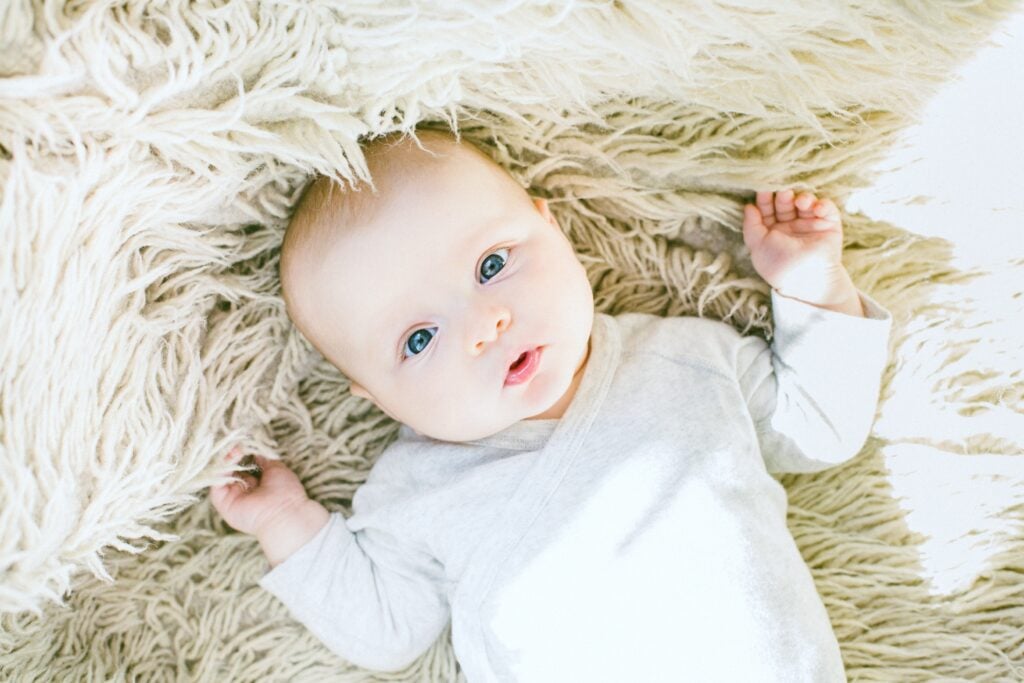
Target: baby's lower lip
{"x": 525, "y": 370}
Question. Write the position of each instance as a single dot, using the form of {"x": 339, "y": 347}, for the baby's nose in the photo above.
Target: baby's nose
{"x": 491, "y": 325}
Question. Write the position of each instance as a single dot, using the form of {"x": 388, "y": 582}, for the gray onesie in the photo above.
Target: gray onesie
{"x": 639, "y": 537}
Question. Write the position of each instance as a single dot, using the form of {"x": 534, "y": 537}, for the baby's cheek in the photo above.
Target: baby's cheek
{"x": 441, "y": 405}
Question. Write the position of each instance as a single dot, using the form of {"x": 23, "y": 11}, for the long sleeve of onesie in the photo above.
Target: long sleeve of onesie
{"x": 373, "y": 598}
{"x": 813, "y": 392}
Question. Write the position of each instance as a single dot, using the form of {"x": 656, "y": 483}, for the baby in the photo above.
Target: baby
{"x": 584, "y": 497}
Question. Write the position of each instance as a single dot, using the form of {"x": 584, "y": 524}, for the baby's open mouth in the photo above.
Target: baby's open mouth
{"x": 524, "y": 367}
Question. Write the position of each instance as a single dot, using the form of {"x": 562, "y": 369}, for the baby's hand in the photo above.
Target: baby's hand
{"x": 251, "y": 504}
{"x": 796, "y": 245}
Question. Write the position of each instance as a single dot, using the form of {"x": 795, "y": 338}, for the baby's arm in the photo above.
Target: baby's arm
{"x": 814, "y": 391}
{"x": 368, "y": 596}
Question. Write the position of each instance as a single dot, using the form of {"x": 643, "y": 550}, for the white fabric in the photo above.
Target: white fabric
{"x": 639, "y": 537}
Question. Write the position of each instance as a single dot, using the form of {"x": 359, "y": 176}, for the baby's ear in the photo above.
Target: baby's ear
{"x": 542, "y": 207}
{"x": 358, "y": 390}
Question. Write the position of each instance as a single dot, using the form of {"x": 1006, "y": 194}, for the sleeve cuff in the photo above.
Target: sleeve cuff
{"x": 292, "y": 574}
{"x": 785, "y": 308}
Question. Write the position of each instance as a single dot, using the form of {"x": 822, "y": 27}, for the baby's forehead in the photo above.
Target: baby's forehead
{"x": 453, "y": 193}
{"x": 414, "y": 228}
{"x": 409, "y": 181}
{"x": 378, "y": 271}
{"x": 423, "y": 204}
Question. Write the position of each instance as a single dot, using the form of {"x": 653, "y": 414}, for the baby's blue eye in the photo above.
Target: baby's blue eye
{"x": 493, "y": 264}
{"x": 418, "y": 341}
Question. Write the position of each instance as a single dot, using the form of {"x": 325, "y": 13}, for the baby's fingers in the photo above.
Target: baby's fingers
{"x": 224, "y": 496}
{"x": 766, "y": 205}
{"x": 242, "y": 481}
{"x": 754, "y": 229}
{"x": 826, "y": 208}
{"x": 804, "y": 203}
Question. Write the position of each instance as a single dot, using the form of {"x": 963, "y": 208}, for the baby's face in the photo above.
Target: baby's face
{"x": 451, "y": 282}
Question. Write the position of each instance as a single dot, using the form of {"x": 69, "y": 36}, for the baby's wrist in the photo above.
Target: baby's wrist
{"x": 839, "y": 295}
{"x": 291, "y": 530}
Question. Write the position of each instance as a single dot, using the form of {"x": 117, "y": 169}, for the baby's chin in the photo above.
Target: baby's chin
{"x": 543, "y": 393}
{"x": 466, "y": 432}
{"x": 451, "y": 437}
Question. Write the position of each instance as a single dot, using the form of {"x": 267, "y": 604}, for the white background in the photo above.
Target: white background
{"x": 964, "y": 162}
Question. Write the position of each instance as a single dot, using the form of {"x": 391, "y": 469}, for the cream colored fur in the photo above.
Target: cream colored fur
{"x": 150, "y": 156}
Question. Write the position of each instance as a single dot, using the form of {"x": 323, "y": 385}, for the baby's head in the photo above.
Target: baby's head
{"x": 425, "y": 293}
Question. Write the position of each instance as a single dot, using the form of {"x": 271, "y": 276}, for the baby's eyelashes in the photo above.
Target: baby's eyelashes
{"x": 491, "y": 267}
{"x": 418, "y": 340}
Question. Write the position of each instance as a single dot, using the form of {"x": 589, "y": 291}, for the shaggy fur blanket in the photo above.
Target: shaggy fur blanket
{"x": 150, "y": 153}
